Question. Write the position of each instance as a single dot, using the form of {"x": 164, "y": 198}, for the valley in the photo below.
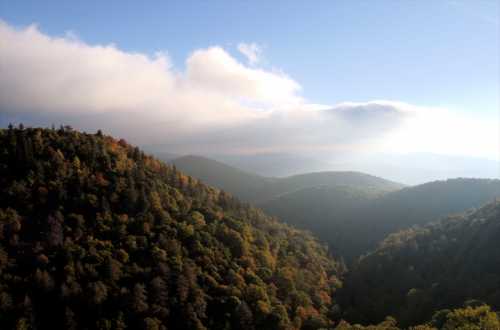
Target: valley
{"x": 351, "y": 211}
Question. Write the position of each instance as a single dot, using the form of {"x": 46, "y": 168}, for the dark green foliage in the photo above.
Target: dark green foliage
{"x": 417, "y": 206}
{"x": 467, "y": 318}
{"x": 423, "y": 269}
{"x": 94, "y": 234}
{"x": 354, "y": 219}
{"x": 327, "y": 211}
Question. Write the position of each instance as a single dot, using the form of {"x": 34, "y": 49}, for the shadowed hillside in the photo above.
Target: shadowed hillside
{"x": 353, "y": 220}
{"x": 246, "y": 186}
{"x": 417, "y": 271}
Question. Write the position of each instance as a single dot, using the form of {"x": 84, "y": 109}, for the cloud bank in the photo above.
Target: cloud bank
{"x": 216, "y": 104}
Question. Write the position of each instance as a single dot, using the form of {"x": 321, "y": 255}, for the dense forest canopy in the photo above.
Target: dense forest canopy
{"x": 94, "y": 234}
{"x": 423, "y": 269}
{"x": 326, "y": 211}
{"x": 351, "y": 211}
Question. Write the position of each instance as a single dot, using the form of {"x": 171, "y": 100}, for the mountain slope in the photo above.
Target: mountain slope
{"x": 346, "y": 178}
{"x": 354, "y": 220}
{"x": 417, "y": 271}
{"x": 246, "y": 186}
{"x": 416, "y": 206}
{"x": 324, "y": 210}
{"x": 94, "y": 234}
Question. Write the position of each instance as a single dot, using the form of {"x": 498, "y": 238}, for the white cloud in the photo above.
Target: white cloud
{"x": 443, "y": 131}
{"x": 217, "y": 104}
{"x": 251, "y": 51}
{"x": 215, "y": 70}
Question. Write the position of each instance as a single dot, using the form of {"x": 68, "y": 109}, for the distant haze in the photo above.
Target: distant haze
{"x": 410, "y": 169}
{"x": 419, "y": 168}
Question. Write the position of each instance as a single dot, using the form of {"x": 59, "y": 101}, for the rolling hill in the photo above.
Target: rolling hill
{"x": 332, "y": 178}
{"x": 94, "y": 234}
{"x": 353, "y": 220}
{"x": 351, "y": 211}
{"x": 246, "y": 186}
{"x": 419, "y": 270}
{"x": 258, "y": 189}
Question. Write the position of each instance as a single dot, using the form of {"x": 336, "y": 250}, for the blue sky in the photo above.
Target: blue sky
{"x": 392, "y": 76}
{"x": 422, "y": 52}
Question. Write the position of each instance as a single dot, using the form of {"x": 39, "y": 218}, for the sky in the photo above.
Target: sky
{"x": 259, "y": 76}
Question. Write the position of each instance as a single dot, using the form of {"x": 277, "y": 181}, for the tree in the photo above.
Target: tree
{"x": 70, "y": 323}
{"x": 43, "y": 280}
{"x": 55, "y": 232}
{"x": 139, "y": 299}
{"x": 470, "y": 318}
{"x": 159, "y": 291}
{"x": 97, "y": 292}
{"x": 243, "y": 317}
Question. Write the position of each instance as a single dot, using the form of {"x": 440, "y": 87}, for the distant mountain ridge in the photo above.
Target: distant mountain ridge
{"x": 259, "y": 189}
{"x": 408, "y": 168}
{"x": 233, "y": 180}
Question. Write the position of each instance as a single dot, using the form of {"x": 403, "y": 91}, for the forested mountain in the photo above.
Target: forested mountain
{"x": 96, "y": 235}
{"x": 346, "y": 178}
{"x": 354, "y": 220}
{"x": 419, "y": 270}
{"x": 246, "y": 186}
{"x": 324, "y": 210}
{"x": 258, "y": 189}
{"x": 351, "y": 211}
